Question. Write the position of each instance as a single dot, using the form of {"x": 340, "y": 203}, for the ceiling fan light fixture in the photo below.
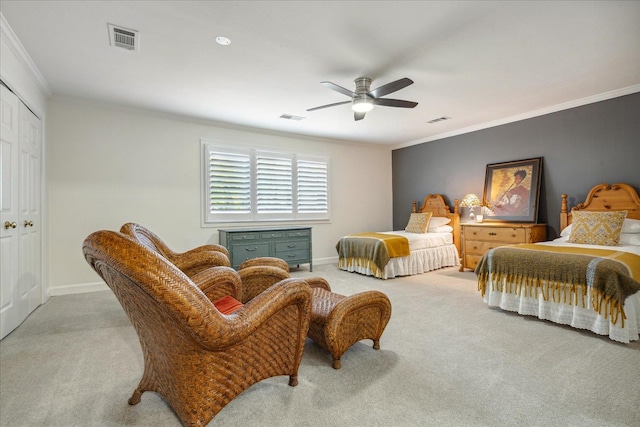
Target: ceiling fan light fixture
{"x": 362, "y": 104}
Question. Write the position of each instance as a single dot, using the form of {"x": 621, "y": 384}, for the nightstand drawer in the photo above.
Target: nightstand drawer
{"x": 471, "y": 261}
{"x": 495, "y": 234}
{"x": 477, "y": 239}
{"x": 476, "y": 247}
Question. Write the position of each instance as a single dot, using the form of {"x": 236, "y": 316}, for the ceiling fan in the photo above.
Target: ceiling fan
{"x": 363, "y": 99}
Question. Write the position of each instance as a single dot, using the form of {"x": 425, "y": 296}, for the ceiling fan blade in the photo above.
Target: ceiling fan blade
{"x": 358, "y": 116}
{"x": 394, "y": 103}
{"x": 390, "y": 87}
{"x": 329, "y": 105}
{"x": 339, "y": 89}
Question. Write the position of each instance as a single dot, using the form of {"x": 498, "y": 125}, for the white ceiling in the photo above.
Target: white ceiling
{"x": 478, "y": 62}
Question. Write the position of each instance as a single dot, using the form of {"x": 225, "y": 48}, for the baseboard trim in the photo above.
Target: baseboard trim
{"x": 101, "y": 286}
{"x": 78, "y": 289}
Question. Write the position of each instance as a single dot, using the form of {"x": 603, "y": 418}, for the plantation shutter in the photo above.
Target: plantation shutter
{"x": 229, "y": 183}
{"x": 274, "y": 184}
{"x": 312, "y": 187}
{"x": 244, "y": 184}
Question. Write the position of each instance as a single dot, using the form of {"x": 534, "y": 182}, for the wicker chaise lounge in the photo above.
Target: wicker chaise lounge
{"x": 196, "y": 358}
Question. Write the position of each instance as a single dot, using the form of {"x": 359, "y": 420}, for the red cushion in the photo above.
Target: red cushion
{"x": 227, "y": 305}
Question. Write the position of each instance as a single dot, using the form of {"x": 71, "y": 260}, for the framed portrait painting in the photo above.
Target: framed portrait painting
{"x": 512, "y": 189}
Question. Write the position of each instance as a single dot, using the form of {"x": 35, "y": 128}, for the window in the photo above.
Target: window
{"x": 243, "y": 184}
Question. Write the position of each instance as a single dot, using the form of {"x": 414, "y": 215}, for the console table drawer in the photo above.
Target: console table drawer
{"x": 243, "y": 252}
{"x": 272, "y": 235}
{"x": 299, "y": 233}
{"x": 294, "y": 257}
{"x": 244, "y": 237}
{"x": 291, "y": 245}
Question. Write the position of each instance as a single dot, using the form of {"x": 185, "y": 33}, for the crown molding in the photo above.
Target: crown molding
{"x": 23, "y": 56}
{"x": 535, "y": 113}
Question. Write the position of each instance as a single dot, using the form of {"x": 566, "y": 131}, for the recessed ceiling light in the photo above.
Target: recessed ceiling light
{"x": 223, "y": 41}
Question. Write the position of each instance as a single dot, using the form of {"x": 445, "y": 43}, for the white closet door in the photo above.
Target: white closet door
{"x": 20, "y": 243}
{"x": 30, "y": 217}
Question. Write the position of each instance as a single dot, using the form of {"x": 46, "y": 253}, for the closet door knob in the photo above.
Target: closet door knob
{"x": 28, "y": 223}
{"x": 8, "y": 224}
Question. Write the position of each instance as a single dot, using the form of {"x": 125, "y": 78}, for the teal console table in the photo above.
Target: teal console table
{"x": 292, "y": 244}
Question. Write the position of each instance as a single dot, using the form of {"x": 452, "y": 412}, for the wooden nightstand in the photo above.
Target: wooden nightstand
{"x": 478, "y": 238}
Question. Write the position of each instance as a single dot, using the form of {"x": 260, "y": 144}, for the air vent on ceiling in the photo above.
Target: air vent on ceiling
{"x": 124, "y": 37}
{"x": 439, "y": 119}
{"x": 291, "y": 117}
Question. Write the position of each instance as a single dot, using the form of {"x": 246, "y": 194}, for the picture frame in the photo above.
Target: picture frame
{"x": 512, "y": 190}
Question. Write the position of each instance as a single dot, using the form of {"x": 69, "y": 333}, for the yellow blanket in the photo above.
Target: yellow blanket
{"x": 563, "y": 274}
{"x": 371, "y": 250}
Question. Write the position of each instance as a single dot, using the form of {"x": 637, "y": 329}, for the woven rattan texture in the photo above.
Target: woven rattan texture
{"x": 265, "y": 261}
{"x": 190, "y": 262}
{"x": 338, "y": 322}
{"x": 197, "y": 359}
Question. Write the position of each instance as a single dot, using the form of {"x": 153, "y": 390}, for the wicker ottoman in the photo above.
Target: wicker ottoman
{"x": 338, "y": 321}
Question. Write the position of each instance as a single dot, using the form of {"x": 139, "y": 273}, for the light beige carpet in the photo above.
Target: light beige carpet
{"x": 445, "y": 360}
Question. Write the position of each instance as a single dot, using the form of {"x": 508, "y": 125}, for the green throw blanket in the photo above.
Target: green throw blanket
{"x": 558, "y": 273}
{"x": 371, "y": 250}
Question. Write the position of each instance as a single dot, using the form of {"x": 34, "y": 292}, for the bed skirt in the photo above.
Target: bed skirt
{"x": 576, "y": 316}
{"x": 418, "y": 262}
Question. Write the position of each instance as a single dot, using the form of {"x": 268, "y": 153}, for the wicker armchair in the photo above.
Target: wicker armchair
{"x": 190, "y": 262}
{"x": 196, "y": 259}
{"x": 196, "y": 358}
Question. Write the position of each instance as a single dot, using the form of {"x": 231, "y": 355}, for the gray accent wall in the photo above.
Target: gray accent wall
{"x": 581, "y": 147}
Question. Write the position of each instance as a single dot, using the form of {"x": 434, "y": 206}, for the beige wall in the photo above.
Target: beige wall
{"x": 107, "y": 166}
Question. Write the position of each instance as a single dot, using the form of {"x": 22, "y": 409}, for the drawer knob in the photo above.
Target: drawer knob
{"x": 251, "y": 249}
{"x": 292, "y": 245}
{"x": 492, "y": 234}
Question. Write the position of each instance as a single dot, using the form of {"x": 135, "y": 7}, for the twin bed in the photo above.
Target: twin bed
{"x": 588, "y": 278}
{"x": 390, "y": 254}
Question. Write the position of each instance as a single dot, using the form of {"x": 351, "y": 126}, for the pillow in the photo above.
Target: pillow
{"x": 418, "y": 222}
{"x": 437, "y": 221}
{"x": 631, "y": 225}
{"x": 597, "y": 228}
{"x": 227, "y": 304}
{"x": 441, "y": 229}
{"x": 630, "y": 239}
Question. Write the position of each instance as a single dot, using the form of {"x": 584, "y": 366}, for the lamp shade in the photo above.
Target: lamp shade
{"x": 470, "y": 201}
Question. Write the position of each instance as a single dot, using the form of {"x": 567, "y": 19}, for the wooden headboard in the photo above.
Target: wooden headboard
{"x": 603, "y": 198}
{"x": 435, "y": 204}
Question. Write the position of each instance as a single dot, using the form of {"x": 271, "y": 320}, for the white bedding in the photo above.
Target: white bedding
{"x": 429, "y": 251}
{"x": 574, "y": 315}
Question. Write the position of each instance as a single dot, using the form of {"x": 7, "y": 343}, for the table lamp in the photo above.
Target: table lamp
{"x": 471, "y": 201}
